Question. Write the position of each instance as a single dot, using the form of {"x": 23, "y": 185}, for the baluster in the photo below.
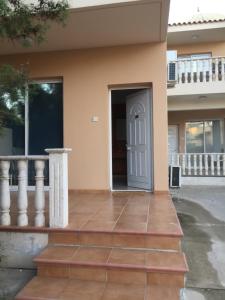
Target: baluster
{"x": 22, "y": 219}
{"x": 189, "y": 164}
{"x": 195, "y": 164}
{"x": 204, "y": 64}
{"x": 39, "y": 193}
{"x": 172, "y": 159}
{"x": 218, "y": 164}
{"x": 183, "y": 164}
{"x": 200, "y": 164}
{"x": 179, "y": 78}
{"x": 216, "y": 69}
{"x": 4, "y": 193}
{"x": 222, "y": 69}
{"x": 212, "y": 164}
{"x": 185, "y": 71}
{"x": 191, "y": 72}
{"x": 206, "y": 164}
{"x": 210, "y": 69}
{"x": 223, "y": 162}
{"x": 197, "y": 71}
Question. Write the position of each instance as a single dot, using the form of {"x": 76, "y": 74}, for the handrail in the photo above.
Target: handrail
{"x": 24, "y": 157}
{"x": 196, "y": 59}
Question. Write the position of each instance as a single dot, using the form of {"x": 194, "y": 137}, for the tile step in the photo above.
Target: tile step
{"x": 117, "y": 239}
{"x": 113, "y": 265}
{"x": 46, "y": 288}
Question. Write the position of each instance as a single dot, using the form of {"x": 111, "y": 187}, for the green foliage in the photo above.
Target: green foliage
{"x": 12, "y": 93}
{"x": 27, "y": 23}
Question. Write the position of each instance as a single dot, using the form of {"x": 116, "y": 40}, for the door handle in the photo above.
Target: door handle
{"x": 128, "y": 148}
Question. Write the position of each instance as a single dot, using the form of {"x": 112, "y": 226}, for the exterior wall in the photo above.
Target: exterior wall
{"x": 216, "y": 48}
{"x": 180, "y": 117}
{"x": 87, "y": 76}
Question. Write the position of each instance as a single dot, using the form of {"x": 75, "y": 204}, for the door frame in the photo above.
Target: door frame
{"x": 130, "y": 87}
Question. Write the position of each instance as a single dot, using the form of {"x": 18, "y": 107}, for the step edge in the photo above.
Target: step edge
{"x": 109, "y": 266}
{"x": 67, "y": 230}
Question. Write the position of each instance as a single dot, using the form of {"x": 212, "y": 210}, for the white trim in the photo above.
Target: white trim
{"x": 14, "y": 188}
{"x": 39, "y": 81}
{"x": 134, "y": 190}
{"x": 26, "y": 120}
{"x": 110, "y": 141}
{"x": 126, "y": 87}
{"x": 196, "y": 180}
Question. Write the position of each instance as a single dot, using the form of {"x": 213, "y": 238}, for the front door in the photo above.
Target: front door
{"x": 138, "y": 115}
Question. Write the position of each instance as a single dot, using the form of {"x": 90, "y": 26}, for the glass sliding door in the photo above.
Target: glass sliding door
{"x": 195, "y": 137}
{"x": 45, "y": 117}
{"x": 45, "y": 126}
{"x": 205, "y": 136}
{"x": 29, "y": 126}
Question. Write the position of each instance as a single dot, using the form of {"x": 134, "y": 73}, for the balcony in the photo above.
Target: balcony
{"x": 196, "y": 84}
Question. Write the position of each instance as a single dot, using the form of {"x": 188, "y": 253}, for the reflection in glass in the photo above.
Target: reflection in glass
{"x": 205, "y": 137}
{"x": 45, "y": 117}
{"x": 12, "y": 136}
{"x": 194, "y": 137}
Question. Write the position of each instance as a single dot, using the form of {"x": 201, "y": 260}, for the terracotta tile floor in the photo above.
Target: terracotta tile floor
{"x": 72, "y": 289}
{"x": 114, "y": 212}
{"x": 113, "y": 257}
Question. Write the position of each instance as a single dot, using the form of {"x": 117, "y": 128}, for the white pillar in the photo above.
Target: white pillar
{"x": 39, "y": 193}
{"x": 4, "y": 193}
{"x": 22, "y": 203}
{"x": 58, "y": 187}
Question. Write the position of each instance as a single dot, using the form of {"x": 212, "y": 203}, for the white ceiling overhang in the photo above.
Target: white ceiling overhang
{"x": 102, "y": 23}
{"x": 196, "y": 33}
{"x": 196, "y": 102}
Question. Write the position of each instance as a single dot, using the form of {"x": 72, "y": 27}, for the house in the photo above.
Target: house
{"x": 196, "y": 99}
{"x": 99, "y": 89}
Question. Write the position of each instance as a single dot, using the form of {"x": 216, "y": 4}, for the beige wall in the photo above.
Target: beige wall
{"x": 87, "y": 74}
{"x": 180, "y": 117}
{"x": 217, "y": 49}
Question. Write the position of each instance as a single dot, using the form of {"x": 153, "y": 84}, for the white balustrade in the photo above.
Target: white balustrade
{"x": 200, "y": 70}
{"x": 200, "y": 164}
{"x": 39, "y": 193}
{"x": 218, "y": 164}
{"x": 183, "y": 164}
{"x": 189, "y": 163}
{"x": 58, "y": 189}
{"x": 195, "y": 164}
{"x": 4, "y": 193}
{"x": 212, "y": 164}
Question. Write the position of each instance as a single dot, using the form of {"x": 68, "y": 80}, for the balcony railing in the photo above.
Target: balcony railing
{"x": 198, "y": 70}
{"x": 58, "y": 189}
{"x": 199, "y": 164}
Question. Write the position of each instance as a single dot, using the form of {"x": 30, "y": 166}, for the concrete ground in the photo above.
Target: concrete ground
{"x": 201, "y": 211}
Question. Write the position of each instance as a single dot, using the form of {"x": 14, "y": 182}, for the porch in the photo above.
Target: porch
{"x": 117, "y": 244}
